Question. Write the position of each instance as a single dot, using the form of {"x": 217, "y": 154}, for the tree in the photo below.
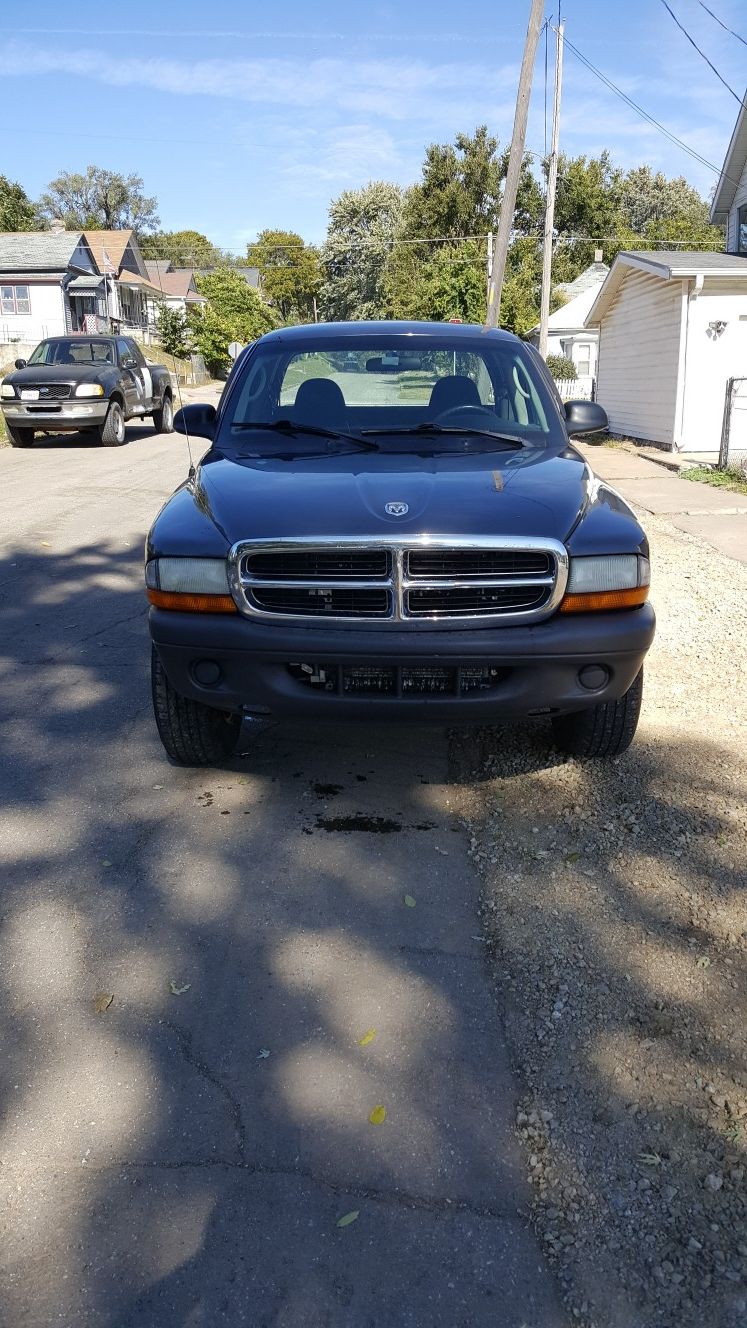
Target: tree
{"x": 182, "y": 248}
{"x": 234, "y": 312}
{"x": 646, "y": 197}
{"x": 99, "y": 200}
{"x": 290, "y": 272}
{"x": 361, "y": 229}
{"x": 174, "y": 332}
{"x": 457, "y": 199}
{"x": 17, "y": 212}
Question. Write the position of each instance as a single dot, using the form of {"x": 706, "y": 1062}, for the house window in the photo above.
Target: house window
{"x": 15, "y": 300}
{"x": 583, "y": 362}
{"x": 742, "y": 230}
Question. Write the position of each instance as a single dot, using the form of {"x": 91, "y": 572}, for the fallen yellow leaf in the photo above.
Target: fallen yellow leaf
{"x": 179, "y": 991}
{"x": 367, "y": 1038}
{"x": 378, "y": 1115}
{"x": 348, "y": 1218}
{"x": 409, "y": 901}
{"x": 102, "y": 1000}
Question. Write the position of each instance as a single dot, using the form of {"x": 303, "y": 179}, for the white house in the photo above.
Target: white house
{"x": 48, "y": 280}
{"x": 176, "y": 287}
{"x": 673, "y": 330}
{"x": 729, "y": 206}
{"x": 567, "y": 331}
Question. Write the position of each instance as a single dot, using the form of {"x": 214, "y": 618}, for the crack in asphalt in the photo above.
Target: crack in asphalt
{"x": 185, "y": 1040}
{"x": 396, "y": 1198}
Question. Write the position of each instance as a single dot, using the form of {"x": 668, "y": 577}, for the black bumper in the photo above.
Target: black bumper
{"x": 535, "y": 669}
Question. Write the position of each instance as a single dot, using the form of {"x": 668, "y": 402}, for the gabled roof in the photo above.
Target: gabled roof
{"x": 668, "y": 265}
{"x": 178, "y": 283}
{"x": 580, "y": 294}
{"x": 38, "y": 251}
{"x": 155, "y": 265}
{"x": 732, "y": 169}
{"x": 250, "y": 274}
{"x": 115, "y": 243}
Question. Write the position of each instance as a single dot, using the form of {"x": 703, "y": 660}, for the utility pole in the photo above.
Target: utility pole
{"x": 516, "y": 156}
{"x": 490, "y": 259}
{"x": 552, "y": 179}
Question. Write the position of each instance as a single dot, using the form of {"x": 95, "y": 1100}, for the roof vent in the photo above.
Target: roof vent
{"x": 57, "y": 226}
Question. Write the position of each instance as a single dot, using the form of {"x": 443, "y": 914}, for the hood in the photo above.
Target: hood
{"x": 529, "y": 493}
{"x": 57, "y": 373}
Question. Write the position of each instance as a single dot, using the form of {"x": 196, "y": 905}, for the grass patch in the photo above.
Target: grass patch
{"x": 4, "y": 439}
{"x": 733, "y": 479}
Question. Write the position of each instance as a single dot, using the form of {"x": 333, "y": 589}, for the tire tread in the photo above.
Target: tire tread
{"x": 192, "y": 733}
{"x": 604, "y": 730}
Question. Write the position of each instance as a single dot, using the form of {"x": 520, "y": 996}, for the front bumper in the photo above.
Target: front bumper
{"x": 536, "y": 667}
{"x": 56, "y": 416}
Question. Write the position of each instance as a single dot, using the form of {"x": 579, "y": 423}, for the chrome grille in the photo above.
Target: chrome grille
{"x": 434, "y": 579}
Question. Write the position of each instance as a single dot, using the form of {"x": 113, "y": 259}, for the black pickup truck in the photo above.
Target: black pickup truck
{"x": 81, "y": 382}
{"x": 391, "y": 521}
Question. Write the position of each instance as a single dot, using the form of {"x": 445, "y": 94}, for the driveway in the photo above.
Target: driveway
{"x": 289, "y": 944}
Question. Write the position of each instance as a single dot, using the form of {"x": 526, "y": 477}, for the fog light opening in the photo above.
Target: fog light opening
{"x": 206, "y": 672}
{"x": 594, "y": 677}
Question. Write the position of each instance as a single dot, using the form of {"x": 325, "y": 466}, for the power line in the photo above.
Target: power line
{"x": 722, "y": 24}
{"x": 703, "y": 161}
{"x": 701, "y": 53}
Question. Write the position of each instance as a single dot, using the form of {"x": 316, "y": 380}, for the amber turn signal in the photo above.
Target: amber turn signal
{"x": 171, "y": 599}
{"x": 604, "y": 599}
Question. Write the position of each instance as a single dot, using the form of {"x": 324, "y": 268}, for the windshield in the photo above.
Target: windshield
{"x": 78, "y": 350}
{"x": 389, "y": 385}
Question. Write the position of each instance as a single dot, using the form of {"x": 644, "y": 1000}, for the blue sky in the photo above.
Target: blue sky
{"x": 241, "y": 117}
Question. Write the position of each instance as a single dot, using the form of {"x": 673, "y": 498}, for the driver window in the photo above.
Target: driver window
{"x": 126, "y": 357}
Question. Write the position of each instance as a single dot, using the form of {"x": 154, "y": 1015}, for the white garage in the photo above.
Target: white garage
{"x": 672, "y": 332}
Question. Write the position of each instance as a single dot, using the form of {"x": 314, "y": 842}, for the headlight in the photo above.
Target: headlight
{"x": 612, "y": 581}
{"x": 89, "y": 390}
{"x": 192, "y": 585}
{"x": 7, "y": 390}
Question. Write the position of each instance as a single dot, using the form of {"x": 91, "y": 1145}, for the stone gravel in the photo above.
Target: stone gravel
{"x": 614, "y": 912}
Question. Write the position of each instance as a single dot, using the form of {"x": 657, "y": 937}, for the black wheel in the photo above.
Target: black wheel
{"x": 163, "y": 419}
{"x": 604, "y": 730}
{"x": 192, "y": 733}
{"x": 112, "y": 431}
{"x": 20, "y": 437}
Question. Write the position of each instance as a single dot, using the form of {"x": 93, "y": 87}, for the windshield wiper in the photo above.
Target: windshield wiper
{"x": 290, "y": 427}
{"x": 426, "y": 428}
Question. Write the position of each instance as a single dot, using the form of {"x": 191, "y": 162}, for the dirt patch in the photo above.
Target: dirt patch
{"x": 615, "y": 917}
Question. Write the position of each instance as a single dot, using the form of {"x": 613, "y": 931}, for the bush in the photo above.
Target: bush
{"x": 562, "y": 368}
{"x": 174, "y": 332}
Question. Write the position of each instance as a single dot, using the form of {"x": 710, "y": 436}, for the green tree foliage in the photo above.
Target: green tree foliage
{"x": 17, "y": 212}
{"x": 174, "y": 331}
{"x": 562, "y": 368}
{"x": 234, "y": 312}
{"x": 361, "y": 229}
{"x": 99, "y": 200}
{"x": 290, "y": 272}
{"x": 457, "y": 200}
{"x": 182, "y": 248}
{"x": 647, "y": 197}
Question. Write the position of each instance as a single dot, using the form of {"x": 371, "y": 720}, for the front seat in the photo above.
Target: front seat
{"x": 319, "y": 401}
{"x": 452, "y": 392}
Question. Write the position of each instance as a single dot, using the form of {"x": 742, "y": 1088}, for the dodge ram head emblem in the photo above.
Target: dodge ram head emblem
{"x": 396, "y": 509}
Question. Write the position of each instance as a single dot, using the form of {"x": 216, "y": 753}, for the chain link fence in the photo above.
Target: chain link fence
{"x": 733, "y": 451}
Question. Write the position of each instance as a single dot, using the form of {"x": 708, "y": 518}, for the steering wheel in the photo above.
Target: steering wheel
{"x": 445, "y": 416}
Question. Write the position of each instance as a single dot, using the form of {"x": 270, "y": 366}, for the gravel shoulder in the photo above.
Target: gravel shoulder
{"x": 615, "y": 919}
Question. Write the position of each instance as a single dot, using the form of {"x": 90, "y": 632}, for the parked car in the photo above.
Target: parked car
{"x": 85, "y": 383}
{"x": 424, "y": 544}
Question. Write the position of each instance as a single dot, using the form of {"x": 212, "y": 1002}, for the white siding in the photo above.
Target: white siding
{"x": 47, "y": 316}
{"x": 711, "y": 358}
{"x": 740, "y": 198}
{"x": 638, "y": 358}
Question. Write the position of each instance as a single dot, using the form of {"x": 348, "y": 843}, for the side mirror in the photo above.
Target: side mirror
{"x": 20, "y": 364}
{"x": 198, "y": 420}
{"x": 582, "y": 417}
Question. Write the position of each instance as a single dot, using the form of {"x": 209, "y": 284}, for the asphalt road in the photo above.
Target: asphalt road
{"x": 183, "y": 1158}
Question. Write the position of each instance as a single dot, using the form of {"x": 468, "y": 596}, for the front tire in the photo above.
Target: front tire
{"x": 603, "y": 731}
{"x": 163, "y": 419}
{"x": 112, "y": 431}
{"x": 20, "y": 437}
{"x": 192, "y": 733}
